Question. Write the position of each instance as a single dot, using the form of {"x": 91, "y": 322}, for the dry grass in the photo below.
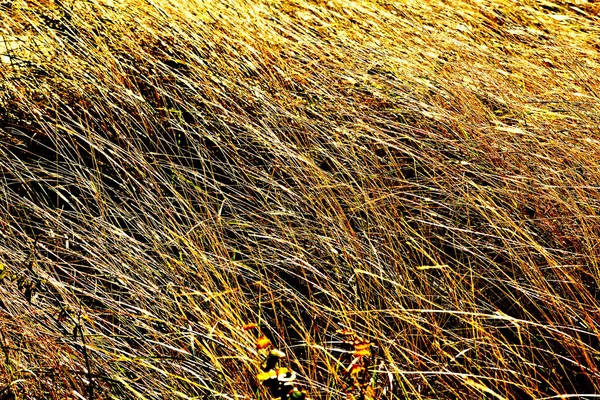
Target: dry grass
{"x": 425, "y": 173}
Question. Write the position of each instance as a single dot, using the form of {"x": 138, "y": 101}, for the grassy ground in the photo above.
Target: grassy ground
{"x": 423, "y": 173}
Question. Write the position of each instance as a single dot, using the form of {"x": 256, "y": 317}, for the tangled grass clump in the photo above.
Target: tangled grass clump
{"x": 425, "y": 172}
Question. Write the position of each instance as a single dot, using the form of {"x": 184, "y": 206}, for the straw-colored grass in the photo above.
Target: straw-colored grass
{"x": 423, "y": 173}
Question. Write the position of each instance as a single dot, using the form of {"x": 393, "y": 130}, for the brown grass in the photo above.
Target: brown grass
{"x": 425, "y": 173}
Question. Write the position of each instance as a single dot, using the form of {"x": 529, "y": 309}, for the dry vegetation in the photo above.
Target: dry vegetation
{"x": 424, "y": 173}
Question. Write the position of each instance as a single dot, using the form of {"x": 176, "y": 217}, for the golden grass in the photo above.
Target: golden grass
{"x": 424, "y": 173}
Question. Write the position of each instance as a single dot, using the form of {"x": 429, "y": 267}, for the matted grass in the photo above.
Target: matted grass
{"x": 424, "y": 173}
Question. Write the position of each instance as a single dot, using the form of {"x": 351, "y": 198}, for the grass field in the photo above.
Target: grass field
{"x": 424, "y": 174}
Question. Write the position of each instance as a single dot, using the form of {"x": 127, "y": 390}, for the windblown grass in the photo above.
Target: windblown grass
{"x": 424, "y": 173}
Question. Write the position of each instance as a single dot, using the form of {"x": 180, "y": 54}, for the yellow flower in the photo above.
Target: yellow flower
{"x": 362, "y": 353}
{"x": 264, "y": 376}
{"x": 249, "y": 326}
{"x": 361, "y": 345}
{"x": 262, "y": 342}
{"x": 3, "y": 271}
{"x": 356, "y": 369}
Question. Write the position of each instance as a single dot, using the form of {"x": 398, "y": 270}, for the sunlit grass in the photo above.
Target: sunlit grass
{"x": 424, "y": 174}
